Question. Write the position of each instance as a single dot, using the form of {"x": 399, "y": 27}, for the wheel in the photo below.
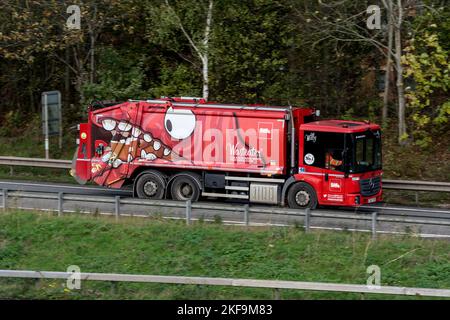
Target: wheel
{"x": 301, "y": 195}
{"x": 185, "y": 187}
{"x": 151, "y": 185}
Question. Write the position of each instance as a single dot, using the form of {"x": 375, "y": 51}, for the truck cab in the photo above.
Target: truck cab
{"x": 341, "y": 161}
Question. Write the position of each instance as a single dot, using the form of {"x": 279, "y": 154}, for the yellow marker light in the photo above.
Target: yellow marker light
{"x": 83, "y": 135}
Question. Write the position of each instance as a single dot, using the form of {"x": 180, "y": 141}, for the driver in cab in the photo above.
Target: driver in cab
{"x": 333, "y": 160}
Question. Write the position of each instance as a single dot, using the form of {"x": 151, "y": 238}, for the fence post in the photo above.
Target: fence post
{"x": 114, "y": 287}
{"x": 374, "y": 225}
{"x": 276, "y": 294}
{"x": 117, "y": 207}
{"x": 307, "y": 219}
{"x": 60, "y": 203}
{"x": 246, "y": 215}
{"x": 188, "y": 212}
{"x": 5, "y": 195}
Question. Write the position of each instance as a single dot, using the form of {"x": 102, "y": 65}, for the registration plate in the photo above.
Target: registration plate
{"x": 371, "y": 200}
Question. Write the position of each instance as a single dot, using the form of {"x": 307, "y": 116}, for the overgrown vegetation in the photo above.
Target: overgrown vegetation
{"x": 35, "y": 241}
{"x": 428, "y": 65}
{"x": 259, "y": 51}
{"x": 255, "y": 51}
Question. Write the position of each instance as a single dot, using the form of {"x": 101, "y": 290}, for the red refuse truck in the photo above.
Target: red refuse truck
{"x": 187, "y": 148}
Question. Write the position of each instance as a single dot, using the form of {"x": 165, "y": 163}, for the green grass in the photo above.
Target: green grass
{"x": 31, "y": 145}
{"x": 36, "y": 241}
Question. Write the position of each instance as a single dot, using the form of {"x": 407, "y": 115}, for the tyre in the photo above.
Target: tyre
{"x": 185, "y": 187}
{"x": 301, "y": 196}
{"x": 151, "y": 185}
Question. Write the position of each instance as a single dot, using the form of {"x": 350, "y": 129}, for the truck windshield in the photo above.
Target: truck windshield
{"x": 364, "y": 152}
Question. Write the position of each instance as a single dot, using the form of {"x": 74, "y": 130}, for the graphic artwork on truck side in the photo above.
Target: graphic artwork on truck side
{"x": 130, "y": 142}
{"x": 127, "y": 138}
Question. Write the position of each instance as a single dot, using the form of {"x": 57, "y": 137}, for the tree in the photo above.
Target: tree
{"x": 97, "y": 15}
{"x": 30, "y": 33}
{"x": 388, "y": 67}
{"x": 167, "y": 18}
{"x": 396, "y": 13}
{"x": 253, "y": 66}
{"x": 40, "y": 28}
{"x": 427, "y": 65}
{"x": 344, "y": 21}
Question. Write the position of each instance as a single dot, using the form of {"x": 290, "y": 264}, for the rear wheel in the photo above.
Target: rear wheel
{"x": 185, "y": 187}
{"x": 151, "y": 185}
{"x": 301, "y": 195}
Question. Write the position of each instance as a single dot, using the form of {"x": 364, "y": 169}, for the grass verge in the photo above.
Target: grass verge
{"x": 36, "y": 241}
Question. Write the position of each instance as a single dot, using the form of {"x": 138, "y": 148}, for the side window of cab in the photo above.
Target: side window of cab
{"x": 324, "y": 150}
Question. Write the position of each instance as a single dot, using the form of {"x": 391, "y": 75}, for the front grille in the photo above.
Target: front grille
{"x": 371, "y": 186}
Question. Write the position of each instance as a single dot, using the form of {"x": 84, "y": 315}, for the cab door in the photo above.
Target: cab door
{"x": 333, "y": 183}
{"x": 323, "y": 161}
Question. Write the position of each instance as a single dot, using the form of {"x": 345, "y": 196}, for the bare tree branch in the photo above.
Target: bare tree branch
{"x": 188, "y": 37}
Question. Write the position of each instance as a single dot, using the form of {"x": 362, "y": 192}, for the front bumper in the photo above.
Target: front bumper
{"x": 359, "y": 200}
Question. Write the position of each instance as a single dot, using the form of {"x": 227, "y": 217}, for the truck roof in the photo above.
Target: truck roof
{"x": 340, "y": 126}
{"x": 201, "y": 103}
{"x": 202, "y": 107}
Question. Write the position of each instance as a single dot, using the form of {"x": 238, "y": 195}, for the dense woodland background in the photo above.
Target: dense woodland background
{"x": 298, "y": 52}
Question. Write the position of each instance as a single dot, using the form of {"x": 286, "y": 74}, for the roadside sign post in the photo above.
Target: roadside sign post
{"x": 51, "y": 118}
{"x": 46, "y": 142}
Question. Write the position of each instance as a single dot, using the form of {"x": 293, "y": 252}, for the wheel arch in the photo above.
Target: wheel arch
{"x": 289, "y": 184}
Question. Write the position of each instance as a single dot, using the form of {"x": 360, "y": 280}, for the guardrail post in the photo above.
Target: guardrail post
{"x": 188, "y": 212}
{"x": 60, "y": 203}
{"x": 246, "y": 215}
{"x": 117, "y": 207}
{"x": 276, "y": 294}
{"x": 5, "y": 196}
{"x": 114, "y": 287}
{"x": 374, "y": 225}
{"x": 417, "y": 198}
{"x": 307, "y": 219}
{"x": 11, "y": 171}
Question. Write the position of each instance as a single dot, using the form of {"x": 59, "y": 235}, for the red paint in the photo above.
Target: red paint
{"x": 127, "y": 136}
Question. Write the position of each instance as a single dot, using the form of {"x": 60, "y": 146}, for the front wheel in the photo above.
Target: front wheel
{"x": 301, "y": 196}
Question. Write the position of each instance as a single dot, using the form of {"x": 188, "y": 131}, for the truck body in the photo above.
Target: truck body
{"x": 186, "y": 148}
